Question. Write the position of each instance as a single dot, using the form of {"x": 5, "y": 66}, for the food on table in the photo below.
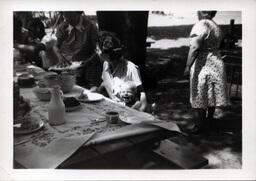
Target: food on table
{"x": 27, "y": 124}
{"x": 62, "y": 65}
{"x": 66, "y": 66}
{"x": 71, "y": 102}
{"x": 20, "y": 106}
{"x": 89, "y": 97}
{"x": 83, "y": 96}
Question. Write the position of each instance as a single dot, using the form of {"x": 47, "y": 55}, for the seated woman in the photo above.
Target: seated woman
{"x": 117, "y": 70}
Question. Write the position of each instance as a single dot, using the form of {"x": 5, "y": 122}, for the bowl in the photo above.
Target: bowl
{"x": 41, "y": 75}
{"x": 26, "y": 80}
{"x": 42, "y": 94}
{"x": 112, "y": 117}
{"x": 51, "y": 79}
{"x": 65, "y": 81}
{"x": 41, "y": 84}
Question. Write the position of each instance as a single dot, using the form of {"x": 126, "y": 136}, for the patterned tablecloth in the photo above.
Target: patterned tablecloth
{"x": 50, "y": 146}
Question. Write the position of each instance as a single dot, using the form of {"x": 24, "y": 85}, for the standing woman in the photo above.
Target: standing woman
{"x": 208, "y": 84}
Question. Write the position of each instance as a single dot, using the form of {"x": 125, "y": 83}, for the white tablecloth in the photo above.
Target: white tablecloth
{"x": 83, "y": 127}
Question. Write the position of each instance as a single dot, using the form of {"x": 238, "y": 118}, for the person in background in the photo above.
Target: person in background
{"x": 76, "y": 41}
{"x": 208, "y": 84}
{"x": 117, "y": 70}
{"x": 28, "y": 41}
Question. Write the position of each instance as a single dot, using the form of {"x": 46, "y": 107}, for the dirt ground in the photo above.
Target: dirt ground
{"x": 223, "y": 145}
{"x": 164, "y": 66}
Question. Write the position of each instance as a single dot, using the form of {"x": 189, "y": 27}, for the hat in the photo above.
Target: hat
{"x": 206, "y": 14}
{"x": 108, "y": 42}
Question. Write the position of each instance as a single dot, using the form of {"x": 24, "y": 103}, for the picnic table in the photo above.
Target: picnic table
{"x": 86, "y": 136}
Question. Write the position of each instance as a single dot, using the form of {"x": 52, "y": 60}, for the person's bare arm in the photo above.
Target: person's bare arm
{"x": 97, "y": 89}
{"x": 143, "y": 101}
{"x": 141, "y": 104}
{"x": 62, "y": 61}
{"x": 196, "y": 44}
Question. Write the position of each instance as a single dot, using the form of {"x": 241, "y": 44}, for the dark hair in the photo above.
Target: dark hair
{"x": 36, "y": 28}
{"x": 17, "y": 26}
{"x": 110, "y": 44}
{"x": 206, "y": 14}
{"x": 72, "y": 12}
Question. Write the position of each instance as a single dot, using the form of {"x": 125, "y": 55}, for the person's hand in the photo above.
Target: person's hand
{"x": 37, "y": 41}
{"x": 16, "y": 55}
{"x": 80, "y": 69}
{"x": 94, "y": 89}
{"x": 136, "y": 105}
{"x": 63, "y": 62}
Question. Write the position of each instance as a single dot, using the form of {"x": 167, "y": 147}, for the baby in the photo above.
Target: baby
{"x": 128, "y": 92}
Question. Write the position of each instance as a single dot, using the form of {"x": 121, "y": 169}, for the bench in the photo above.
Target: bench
{"x": 182, "y": 156}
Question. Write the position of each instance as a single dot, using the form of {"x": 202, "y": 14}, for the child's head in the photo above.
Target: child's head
{"x": 128, "y": 91}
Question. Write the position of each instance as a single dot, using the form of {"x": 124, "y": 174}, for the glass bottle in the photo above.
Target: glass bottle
{"x": 56, "y": 107}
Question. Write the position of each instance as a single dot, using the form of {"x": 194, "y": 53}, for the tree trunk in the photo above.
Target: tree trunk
{"x": 131, "y": 28}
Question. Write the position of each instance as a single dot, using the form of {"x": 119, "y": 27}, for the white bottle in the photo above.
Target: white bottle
{"x": 56, "y": 107}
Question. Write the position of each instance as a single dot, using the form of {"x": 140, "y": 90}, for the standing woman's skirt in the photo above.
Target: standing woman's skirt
{"x": 208, "y": 82}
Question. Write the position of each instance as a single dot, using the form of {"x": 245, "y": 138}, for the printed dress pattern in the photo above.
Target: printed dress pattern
{"x": 208, "y": 83}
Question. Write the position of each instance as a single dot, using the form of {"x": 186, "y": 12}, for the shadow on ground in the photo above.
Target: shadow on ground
{"x": 223, "y": 146}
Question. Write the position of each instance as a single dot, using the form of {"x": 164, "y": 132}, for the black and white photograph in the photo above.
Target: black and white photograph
{"x": 128, "y": 90}
{"x": 132, "y": 94}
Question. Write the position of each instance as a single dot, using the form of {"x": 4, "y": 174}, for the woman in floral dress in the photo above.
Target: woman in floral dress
{"x": 208, "y": 85}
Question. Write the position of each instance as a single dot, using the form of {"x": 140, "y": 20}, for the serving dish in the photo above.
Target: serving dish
{"x": 42, "y": 94}
{"x": 28, "y": 125}
{"x": 90, "y": 97}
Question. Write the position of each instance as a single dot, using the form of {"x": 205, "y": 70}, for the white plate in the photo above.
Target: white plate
{"x": 73, "y": 66}
{"x": 19, "y": 130}
{"x": 20, "y": 68}
{"x": 137, "y": 119}
{"x": 92, "y": 97}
